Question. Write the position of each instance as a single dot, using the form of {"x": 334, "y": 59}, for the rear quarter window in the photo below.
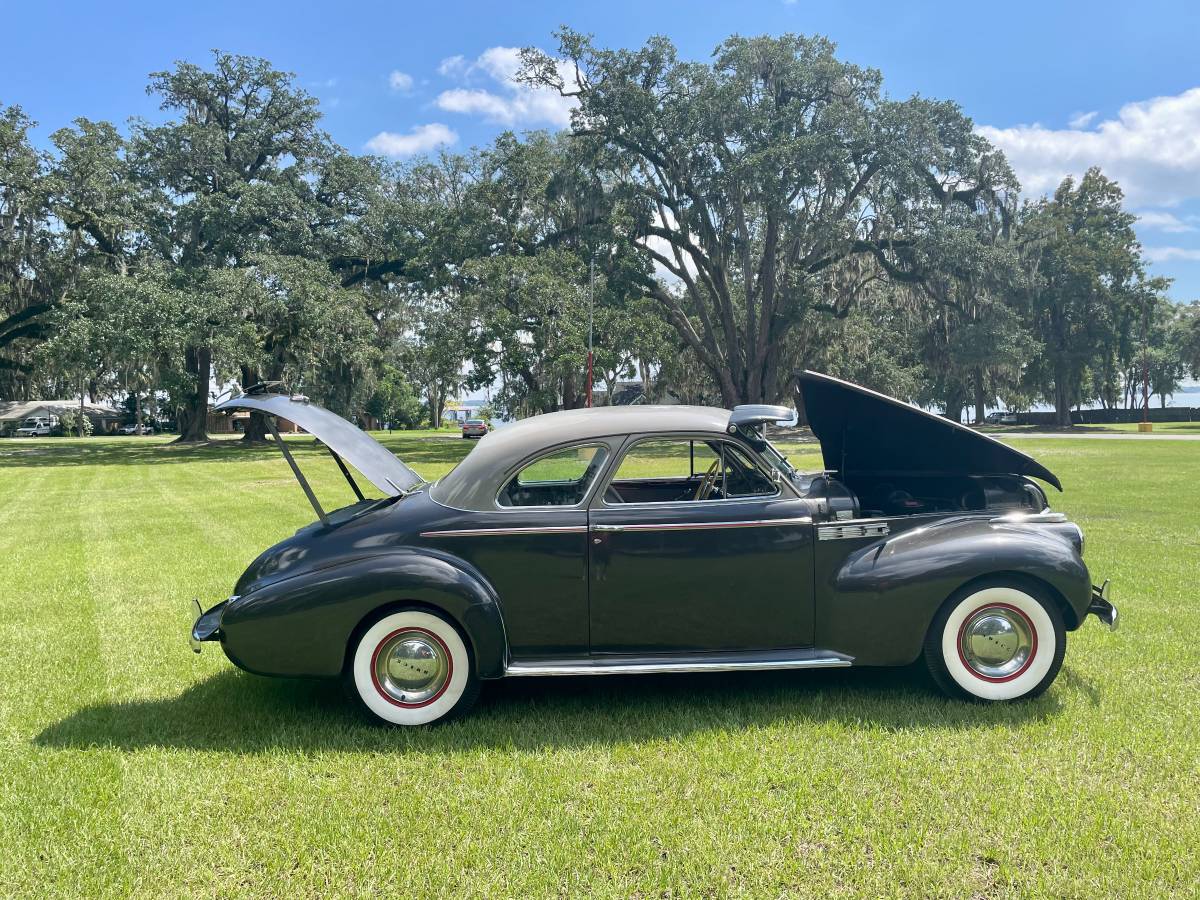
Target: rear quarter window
{"x": 561, "y": 478}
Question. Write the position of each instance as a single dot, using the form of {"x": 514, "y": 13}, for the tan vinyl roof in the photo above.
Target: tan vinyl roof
{"x": 473, "y": 483}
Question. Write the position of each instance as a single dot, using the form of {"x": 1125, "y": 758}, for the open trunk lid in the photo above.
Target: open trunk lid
{"x": 377, "y": 464}
{"x": 866, "y": 432}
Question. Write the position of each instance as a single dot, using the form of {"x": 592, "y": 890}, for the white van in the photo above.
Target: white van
{"x": 37, "y": 426}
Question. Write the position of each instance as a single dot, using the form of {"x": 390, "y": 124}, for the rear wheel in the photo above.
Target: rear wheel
{"x": 412, "y": 667}
{"x": 999, "y": 639}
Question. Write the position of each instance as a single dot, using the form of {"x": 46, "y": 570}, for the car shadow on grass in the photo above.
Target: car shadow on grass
{"x": 241, "y": 713}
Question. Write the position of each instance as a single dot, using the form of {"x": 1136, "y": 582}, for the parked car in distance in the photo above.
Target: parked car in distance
{"x": 38, "y": 426}
{"x": 640, "y": 539}
{"x": 134, "y": 428}
{"x": 474, "y": 428}
{"x": 1001, "y": 418}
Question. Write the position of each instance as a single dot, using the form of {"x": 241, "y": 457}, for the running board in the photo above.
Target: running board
{"x": 729, "y": 662}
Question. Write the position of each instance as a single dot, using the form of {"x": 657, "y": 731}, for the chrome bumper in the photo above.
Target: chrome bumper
{"x": 1101, "y": 607}
{"x": 206, "y": 626}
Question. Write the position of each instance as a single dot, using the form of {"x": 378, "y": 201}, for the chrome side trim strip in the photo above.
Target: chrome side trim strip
{"x": 480, "y": 532}
{"x": 844, "y": 532}
{"x": 521, "y": 670}
{"x": 699, "y": 526}
{"x": 1044, "y": 517}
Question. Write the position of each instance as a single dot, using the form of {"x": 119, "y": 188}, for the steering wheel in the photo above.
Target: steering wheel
{"x": 708, "y": 482}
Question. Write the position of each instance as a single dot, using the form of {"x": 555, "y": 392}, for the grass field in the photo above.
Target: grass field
{"x": 1159, "y": 428}
{"x": 128, "y": 765}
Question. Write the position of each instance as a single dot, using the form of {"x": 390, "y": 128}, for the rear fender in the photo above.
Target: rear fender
{"x": 884, "y": 596}
{"x": 302, "y": 626}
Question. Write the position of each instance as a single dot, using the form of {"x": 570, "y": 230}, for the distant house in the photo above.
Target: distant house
{"x": 460, "y": 410}
{"x": 227, "y": 423}
{"x": 235, "y": 423}
{"x": 105, "y": 419}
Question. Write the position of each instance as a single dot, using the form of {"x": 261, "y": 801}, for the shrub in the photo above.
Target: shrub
{"x": 69, "y": 421}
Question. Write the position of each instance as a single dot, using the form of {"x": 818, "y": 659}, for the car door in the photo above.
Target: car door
{"x": 684, "y": 575}
{"x": 531, "y": 547}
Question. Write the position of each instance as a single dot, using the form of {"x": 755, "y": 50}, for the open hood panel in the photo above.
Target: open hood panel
{"x": 866, "y": 432}
{"x": 378, "y": 464}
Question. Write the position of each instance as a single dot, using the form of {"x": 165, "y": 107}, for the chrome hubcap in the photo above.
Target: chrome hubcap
{"x": 411, "y": 667}
{"x": 996, "y": 642}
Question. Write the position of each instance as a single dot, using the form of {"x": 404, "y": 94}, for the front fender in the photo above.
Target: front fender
{"x": 301, "y": 626}
{"x": 884, "y": 596}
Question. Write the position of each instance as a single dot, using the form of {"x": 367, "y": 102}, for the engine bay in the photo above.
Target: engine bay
{"x": 887, "y": 495}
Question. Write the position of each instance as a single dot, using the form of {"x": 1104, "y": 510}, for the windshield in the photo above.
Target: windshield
{"x": 776, "y": 458}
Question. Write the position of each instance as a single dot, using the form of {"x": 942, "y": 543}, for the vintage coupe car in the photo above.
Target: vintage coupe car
{"x": 645, "y": 539}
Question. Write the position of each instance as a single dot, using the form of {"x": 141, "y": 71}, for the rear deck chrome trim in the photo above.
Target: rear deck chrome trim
{"x": 521, "y": 670}
{"x": 698, "y": 526}
{"x": 480, "y": 532}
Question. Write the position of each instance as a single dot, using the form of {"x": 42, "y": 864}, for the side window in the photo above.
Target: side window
{"x": 676, "y": 459}
{"x": 561, "y": 478}
{"x": 685, "y": 469}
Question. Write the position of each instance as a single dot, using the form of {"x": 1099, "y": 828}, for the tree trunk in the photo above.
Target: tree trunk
{"x": 980, "y": 396}
{"x": 801, "y": 411}
{"x": 81, "y": 410}
{"x": 611, "y": 386}
{"x": 648, "y": 388}
{"x": 954, "y": 405}
{"x": 437, "y": 405}
{"x": 1062, "y": 396}
{"x": 193, "y": 415}
{"x": 256, "y": 430}
{"x": 137, "y": 410}
{"x": 571, "y": 397}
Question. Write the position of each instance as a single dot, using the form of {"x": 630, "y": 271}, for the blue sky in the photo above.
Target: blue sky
{"x": 1059, "y": 85}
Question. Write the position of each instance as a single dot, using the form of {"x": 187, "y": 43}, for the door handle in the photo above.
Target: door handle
{"x": 608, "y": 528}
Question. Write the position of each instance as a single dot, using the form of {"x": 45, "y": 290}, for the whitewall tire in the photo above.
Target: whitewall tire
{"x": 412, "y": 667}
{"x": 998, "y": 639}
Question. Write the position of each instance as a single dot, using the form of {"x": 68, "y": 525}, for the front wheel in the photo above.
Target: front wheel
{"x": 412, "y": 667}
{"x": 1000, "y": 639}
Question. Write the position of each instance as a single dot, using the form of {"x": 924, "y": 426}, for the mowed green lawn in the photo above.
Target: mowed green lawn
{"x": 1159, "y": 428}
{"x": 129, "y": 765}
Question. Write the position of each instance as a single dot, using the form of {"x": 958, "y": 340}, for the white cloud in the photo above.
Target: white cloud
{"x": 1164, "y": 221}
{"x": 1152, "y": 148}
{"x": 400, "y": 81}
{"x": 421, "y": 139}
{"x": 1082, "y": 119}
{"x": 504, "y": 101}
{"x": 1170, "y": 254}
{"x": 476, "y": 102}
{"x": 452, "y": 65}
